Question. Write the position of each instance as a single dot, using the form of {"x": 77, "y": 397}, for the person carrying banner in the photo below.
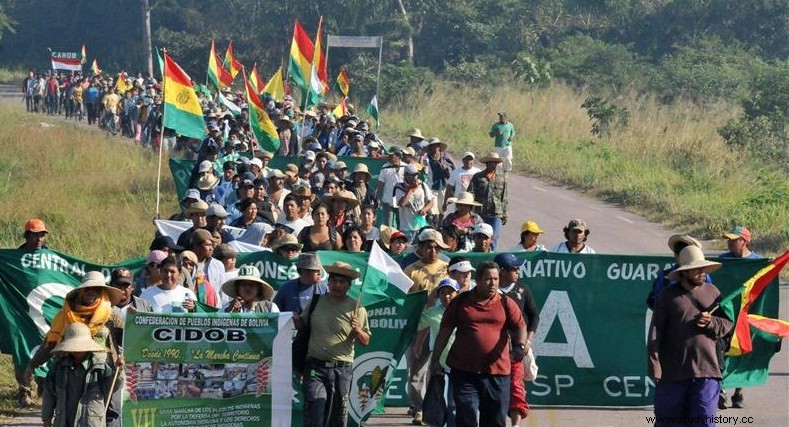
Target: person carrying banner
{"x": 336, "y": 322}
{"x": 681, "y": 344}
{"x": 483, "y": 320}
{"x": 295, "y": 295}
{"x": 78, "y": 382}
{"x": 249, "y": 293}
{"x": 168, "y": 297}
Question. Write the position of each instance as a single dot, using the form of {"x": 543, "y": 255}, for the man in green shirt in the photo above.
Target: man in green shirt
{"x": 502, "y": 133}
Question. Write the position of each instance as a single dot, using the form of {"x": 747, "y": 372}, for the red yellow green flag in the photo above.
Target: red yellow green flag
{"x": 231, "y": 63}
{"x": 255, "y": 80}
{"x": 301, "y": 52}
{"x": 217, "y": 74}
{"x": 121, "y": 84}
{"x": 276, "y": 86}
{"x": 343, "y": 83}
{"x": 95, "y": 68}
{"x": 261, "y": 124}
{"x": 84, "y": 55}
{"x": 741, "y": 340}
{"x": 341, "y": 109}
{"x": 319, "y": 60}
{"x": 182, "y": 111}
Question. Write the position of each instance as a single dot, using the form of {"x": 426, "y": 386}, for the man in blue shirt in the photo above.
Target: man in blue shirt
{"x": 295, "y": 295}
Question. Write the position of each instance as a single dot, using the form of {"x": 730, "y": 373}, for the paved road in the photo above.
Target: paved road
{"x": 612, "y": 231}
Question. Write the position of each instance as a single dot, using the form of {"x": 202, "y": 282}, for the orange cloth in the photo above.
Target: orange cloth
{"x": 94, "y": 315}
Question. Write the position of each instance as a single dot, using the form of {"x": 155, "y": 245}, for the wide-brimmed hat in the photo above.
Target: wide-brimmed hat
{"x": 77, "y": 338}
{"x": 342, "y": 269}
{"x": 531, "y": 227}
{"x": 434, "y": 141}
{"x": 207, "y": 182}
{"x": 432, "y": 235}
{"x": 285, "y": 240}
{"x": 682, "y": 238}
{"x": 387, "y": 233}
{"x": 492, "y": 158}
{"x": 409, "y": 151}
{"x": 309, "y": 261}
{"x": 362, "y": 169}
{"x": 465, "y": 198}
{"x": 248, "y": 273}
{"x": 416, "y": 133}
{"x": 95, "y": 279}
{"x": 199, "y": 206}
{"x": 344, "y": 195}
{"x": 691, "y": 257}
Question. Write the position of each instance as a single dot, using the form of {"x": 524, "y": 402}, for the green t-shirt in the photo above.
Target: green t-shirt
{"x": 331, "y": 339}
{"x": 431, "y": 318}
{"x": 507, "y": 131}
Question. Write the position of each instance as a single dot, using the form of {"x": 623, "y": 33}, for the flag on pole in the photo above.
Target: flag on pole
{"x": 372, "y": 108}
{"x": 84, "y": 55}
{"x": 319, "y": 59}
{"x": 65, "y": 61}
{"x": 741, "y": 340}
{"x": 341, "y": 109}
{"x": 301, "y": 51}
{"x": 343, "y": 82}
{"x": 255, "y": 80}
{"x": 182, "y": 111}
{"x": 217, "y": 74}
{"x": 230, "y": 105}
{"x": 94, "y": 68}
{"x": 231, "y": 63}
{"x": 160, "y": 61}
{"x": 384, "y": 279}
{"x": 276, "y": 86}
{"x": 121, "y": 84}
{"x": 261, "y": 124}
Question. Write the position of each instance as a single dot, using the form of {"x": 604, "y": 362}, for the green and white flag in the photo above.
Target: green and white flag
{"x": 230, "y": 105}
{"x": 372, "y": 109}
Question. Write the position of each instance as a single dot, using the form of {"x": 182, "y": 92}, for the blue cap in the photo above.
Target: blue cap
{"x": 448, "y": 283}
{"x": 507, "y": 261}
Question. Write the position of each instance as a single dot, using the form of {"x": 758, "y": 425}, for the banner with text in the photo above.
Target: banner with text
{"x": 214, "y": 369}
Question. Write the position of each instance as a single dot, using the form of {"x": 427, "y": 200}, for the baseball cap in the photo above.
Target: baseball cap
{"x": 205, "y": 166}
{"x": 737, "y": 232}
{"x": 468, "y": 154}
{"x": 35, "y": 225}
{"x": 216, "y": 210}
{"x": 164, "y": 241}
{"x": 256, "y": 162}
{"x": 531, "y": 227}
{"x": 431, "y": 234}
{"x": 309, "y": 155}
{"x": 507, "y": 261}
{"x": 577, "y": 224}
{"x": 448, "y": 283}
{"x": 483, "y": 228}
{"x": 462, "y": 267}
{"x": 156, "y": 257}
{"x": 411, "y": 170}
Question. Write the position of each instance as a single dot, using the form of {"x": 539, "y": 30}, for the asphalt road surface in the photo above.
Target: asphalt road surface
{"x": 615, "y": 231}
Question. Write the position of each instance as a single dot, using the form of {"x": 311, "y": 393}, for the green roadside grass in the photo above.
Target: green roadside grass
{"x": 14, "y": 77}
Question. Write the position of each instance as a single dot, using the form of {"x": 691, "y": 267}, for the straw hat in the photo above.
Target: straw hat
{"x": 691, "y": 258}
{"x": 199, "y": 206}
{"x": 287, "y": 239}
{"x": 465, "y": 198}
{"x": 94, "y": 279}
{"x": 682, "y": 238}
{"x": 434, "y": 141}
{"x": 345, "y": 195}
{"x": 76, "y": 338}
{"x": 491, "y": 157}
{"x": 416, "y": 133}
{"x": 248, "y": 273}
{"x": 342, "y": 269}
{"x": 362, "y": 169}
{"x": 207, "y": 182}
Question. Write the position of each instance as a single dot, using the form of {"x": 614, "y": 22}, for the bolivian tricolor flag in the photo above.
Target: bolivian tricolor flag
{"x": 255, "y": 80}
{"x": 341, "y": 110}
{"x": 231, "y": 63}
{"x": 217, "y": 74}
{"x": 182, "y": 111}
{"x": 95, "y": 68}
{"x": 741, "y": 340}
{"x": 343, "y": 82}
{"x": 84, "y": 53}
{"x": 301, "y": 51}
{"x": 261, "y": 124}
{"x": 276, "y": 86}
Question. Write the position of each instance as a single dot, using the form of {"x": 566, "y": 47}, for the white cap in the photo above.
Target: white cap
{"x": 483, "y": 228}
{"x": 257, "y": 162}
{"x": 462, "y": 266}
{"x": 309, "y": 155}
{"x": 468, "y": 154}
{"x": 205, "y": 166}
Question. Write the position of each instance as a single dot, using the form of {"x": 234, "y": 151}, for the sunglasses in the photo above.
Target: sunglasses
{"x": 289, "y": 248}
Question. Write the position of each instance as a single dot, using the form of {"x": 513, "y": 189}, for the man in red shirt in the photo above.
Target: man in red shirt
{"x": 480, "y": 356}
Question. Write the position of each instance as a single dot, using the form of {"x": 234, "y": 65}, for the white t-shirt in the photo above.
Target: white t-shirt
{"x": 296, "y": 224}
{"x": 561, "y": 248}
{"x": 460, "y": 179}
{"x": 167, "y": 301}
{"x": 390, "y": 176}
{"x": 519, "y": 248}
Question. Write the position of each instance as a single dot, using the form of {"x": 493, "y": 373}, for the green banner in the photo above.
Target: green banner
{"x": 218, "y": 369}
{"x": 182, "y": 169}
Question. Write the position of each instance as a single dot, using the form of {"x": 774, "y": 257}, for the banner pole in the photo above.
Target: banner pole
{"x": 161, "y": 140}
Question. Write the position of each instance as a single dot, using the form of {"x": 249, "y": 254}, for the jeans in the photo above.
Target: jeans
{"x": 326, "y": 391}
{"x": 695, "y": 397}
{"x": 483, "y": 394}
{"x": 495, "y": 222}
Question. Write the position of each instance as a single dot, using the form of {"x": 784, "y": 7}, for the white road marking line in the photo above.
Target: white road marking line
{"x": 539, "y": 189}
{"x": 625, "y": 219}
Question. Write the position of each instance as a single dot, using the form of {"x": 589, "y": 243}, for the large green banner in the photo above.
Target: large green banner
{"x": 182, "y": 169}
{"x": 217, "y": 369}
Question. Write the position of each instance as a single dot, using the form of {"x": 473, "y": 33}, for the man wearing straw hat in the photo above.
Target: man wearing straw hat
{"x": 681, "y": 345}
{"x": 197, "y": 213}
{"x": 490, "y": 188}
{"x": 78, "y": 383}
{"x": 336, "y": 321}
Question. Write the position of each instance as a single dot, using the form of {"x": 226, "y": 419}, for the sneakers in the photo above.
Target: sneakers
{"x": 737, "y": 400}
{"x": 417, "y": 421}
{"x": 722, "y": 400}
